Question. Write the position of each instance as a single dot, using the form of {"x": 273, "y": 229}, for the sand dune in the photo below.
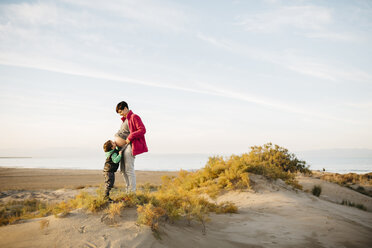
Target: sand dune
{"x": 272, "y": 214}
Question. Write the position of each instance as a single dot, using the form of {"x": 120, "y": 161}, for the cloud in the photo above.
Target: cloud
{"x": 360, "y": 105}
{"x": 44, "y": 49}
{"x": 329, "y": 72}
{"x": 216, "y": 42}
{"x": 166, "y": 16}
{"x": 291, "y": 60}
{"x": 299, "y": 17}
{"x": 333, "y": 36}
{"x": 204, "y": 88}
{"x": 212, "y": 89}
{"x": 71, "y": 68}
{"x": 31, "y": 14}
{"x": 315, "y": 22}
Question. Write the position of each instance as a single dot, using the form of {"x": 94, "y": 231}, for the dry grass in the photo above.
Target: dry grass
{"x": 113, "y": 213}
{"x": 349, "y": 179}
{"x": 12, "y": 211}
{"x": 43, "y": 224}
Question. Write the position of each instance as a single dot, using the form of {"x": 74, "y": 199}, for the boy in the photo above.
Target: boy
{"x": 113, "y": 157}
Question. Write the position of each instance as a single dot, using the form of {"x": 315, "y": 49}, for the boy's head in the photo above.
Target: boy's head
{"x": 122, "y": 108}
{"x": 109, "y": 145}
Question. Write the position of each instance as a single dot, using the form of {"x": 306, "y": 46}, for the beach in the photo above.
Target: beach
{"x": 270, "y": 214}
{"x": 47, "y": 179}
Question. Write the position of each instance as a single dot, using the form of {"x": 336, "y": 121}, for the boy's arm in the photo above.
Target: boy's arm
{"x": 116, "y": 157}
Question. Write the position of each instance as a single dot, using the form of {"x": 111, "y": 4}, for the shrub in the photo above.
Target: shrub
{"x": 352, "y": 204}
{"x": 363, "y": 191}
{"x": 115, "y": 209}
{"x": 317, "y": 190}
{"x": 226, "y": 207}
{"x": 62, "y": 209}
{"x": 87, "y": 201}
{"x": 112, "y": 213}
{"x": 200, "y": 213}
{"x": 276, "y": 156}
{"x": 149, "y": 215}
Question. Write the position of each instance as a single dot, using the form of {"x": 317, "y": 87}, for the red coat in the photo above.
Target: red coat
{"x": 137, "y": 133}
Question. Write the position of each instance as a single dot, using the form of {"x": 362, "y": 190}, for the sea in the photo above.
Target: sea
{"x": 175, "y": 162}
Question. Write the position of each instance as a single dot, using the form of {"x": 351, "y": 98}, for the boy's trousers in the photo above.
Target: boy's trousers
{"x": 109, "y": 181}
{"x": 127, "y": 169}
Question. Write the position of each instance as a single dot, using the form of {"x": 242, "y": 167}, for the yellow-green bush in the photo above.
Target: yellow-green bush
{"x": 269, "y": 156}
{"x": 273, "y": 162}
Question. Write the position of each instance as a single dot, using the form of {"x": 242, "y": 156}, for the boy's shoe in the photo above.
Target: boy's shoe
{"x": 108, "y": 199}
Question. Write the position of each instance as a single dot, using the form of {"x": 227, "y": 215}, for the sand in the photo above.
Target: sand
{"x": 46, "y": 179}
{"x": 271, "y": 214}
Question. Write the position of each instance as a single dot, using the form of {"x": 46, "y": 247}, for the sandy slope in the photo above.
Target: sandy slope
{"x": 334, "y": 193}
{"x": 271, "y": 215}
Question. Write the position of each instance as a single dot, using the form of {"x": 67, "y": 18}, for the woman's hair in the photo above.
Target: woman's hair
{"x": 121, "y": 106}
{"x": 107, "y": 146}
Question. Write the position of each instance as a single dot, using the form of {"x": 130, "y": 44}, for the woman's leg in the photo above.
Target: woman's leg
{"x": 129, "y": 173}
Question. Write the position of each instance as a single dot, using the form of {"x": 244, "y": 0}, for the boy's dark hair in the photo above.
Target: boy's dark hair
{"x": 107, "y": 146}
{"x": 121, "y": 106}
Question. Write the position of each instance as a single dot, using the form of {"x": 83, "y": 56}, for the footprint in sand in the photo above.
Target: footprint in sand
{"x": 90, "y": 245}
{"x": 81, "y": 229}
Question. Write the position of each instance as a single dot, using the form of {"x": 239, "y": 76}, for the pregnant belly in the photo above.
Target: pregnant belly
{"x": 120, "y": 141}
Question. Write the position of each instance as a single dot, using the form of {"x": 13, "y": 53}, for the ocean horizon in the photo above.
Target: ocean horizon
{"x": 175, "y": 162}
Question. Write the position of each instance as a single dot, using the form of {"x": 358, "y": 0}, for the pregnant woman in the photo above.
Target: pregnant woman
{"x": 131, "y": 137}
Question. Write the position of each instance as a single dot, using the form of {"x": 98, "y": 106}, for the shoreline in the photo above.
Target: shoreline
{"x": 83, "y": 169}
{"x": 359, "y": 172}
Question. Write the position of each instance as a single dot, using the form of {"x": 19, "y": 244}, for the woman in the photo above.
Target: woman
{"x": 131, "y": 137}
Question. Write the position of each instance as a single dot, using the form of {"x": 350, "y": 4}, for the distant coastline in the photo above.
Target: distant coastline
{"x": 13, "y": 157}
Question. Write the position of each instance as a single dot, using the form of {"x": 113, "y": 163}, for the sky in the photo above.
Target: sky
{"x": 204, "y": 76}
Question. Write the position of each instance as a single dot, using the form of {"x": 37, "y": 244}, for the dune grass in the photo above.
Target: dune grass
{"x": 352, "y": 204}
